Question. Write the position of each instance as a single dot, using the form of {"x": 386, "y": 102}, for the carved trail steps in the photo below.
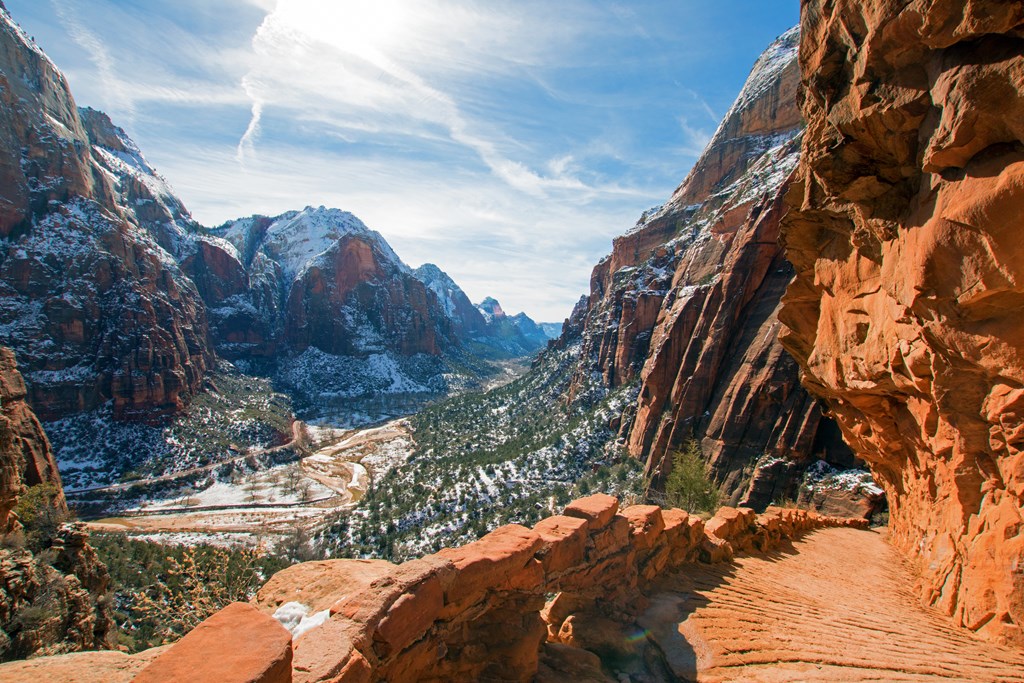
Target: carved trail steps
{"x": 838, "y": 605}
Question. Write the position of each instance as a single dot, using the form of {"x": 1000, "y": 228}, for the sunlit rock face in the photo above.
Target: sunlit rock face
{"x": 686, "y": 306}
{"x": 906, "y": 312}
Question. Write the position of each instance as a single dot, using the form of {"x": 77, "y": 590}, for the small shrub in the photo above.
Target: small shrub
{"x": 688, "y": 485}
{"x": 41, "y": 511}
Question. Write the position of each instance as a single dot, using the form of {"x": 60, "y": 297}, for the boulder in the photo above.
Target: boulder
{"x": 598, "y": 510}
{"x": 238, "y": 644}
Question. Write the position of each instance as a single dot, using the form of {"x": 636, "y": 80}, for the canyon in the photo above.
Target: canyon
{"x": 686, "y": 308}
{"x": 827, "y": 308}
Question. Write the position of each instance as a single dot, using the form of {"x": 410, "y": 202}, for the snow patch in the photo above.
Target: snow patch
{"x": 295, "y": 617}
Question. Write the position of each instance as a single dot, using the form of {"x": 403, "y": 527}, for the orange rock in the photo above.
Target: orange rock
{"x": 598, "y": 509}
{"x": 560, "y": 663}
{"x": 80, "y": 667}
{"x": 565, "y": 541}
{"x": 411, "y": 614}
{"x": 612, "y": 538}
{"x": 646, "y": 524}
{"x": 714, "y": 549}
{"x": 326, "y": 651}
{"x": 905, "y": 312}
{"x": 371, "y": 604}
{"x": 237, "y": 644}
{"x": 319, "y": 585}
{"x": 729, "y": 522}
{"x": 491, "y": 562}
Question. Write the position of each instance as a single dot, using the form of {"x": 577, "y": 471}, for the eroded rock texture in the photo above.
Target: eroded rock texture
{"x": 906, "y": 312}
{"x": 687, "y": 302}
{"x": 55, "y": 600}
{"x": 27, "y": 459}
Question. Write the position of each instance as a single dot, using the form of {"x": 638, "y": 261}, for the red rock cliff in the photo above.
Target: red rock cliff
{"x": 27, "y": 457}
{"x": 686, "y": 305}
{"x": 96, "y": 309}
{"x": 906, "y": 312}
{"x": 52, "y": 602}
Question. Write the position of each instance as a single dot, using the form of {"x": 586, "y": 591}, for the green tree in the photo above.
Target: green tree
{"x": 41, "y": 510}
{"x": 688, "y": 485}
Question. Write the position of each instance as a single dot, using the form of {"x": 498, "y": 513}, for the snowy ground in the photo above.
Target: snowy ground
{"x": 271, "y": 504}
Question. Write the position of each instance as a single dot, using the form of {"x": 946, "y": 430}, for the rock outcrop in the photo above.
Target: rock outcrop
{"x": 686, "y": 306}
{"x": 94, "y": 306}
{"x": 27, "y": 458}
{"x": 905, "y": 315}
{"x": 483, "y": 611}
{"x": 58, "y": 599}
{"x": 318, "y": 277}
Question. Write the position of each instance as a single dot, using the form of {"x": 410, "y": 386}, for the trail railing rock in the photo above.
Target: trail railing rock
{"x": 478, "y": 612}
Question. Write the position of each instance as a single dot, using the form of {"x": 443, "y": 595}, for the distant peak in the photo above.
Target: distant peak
{"x": 491, "y": 309}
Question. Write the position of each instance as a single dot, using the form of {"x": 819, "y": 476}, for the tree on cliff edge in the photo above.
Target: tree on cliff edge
{"x": 688, "y": 485}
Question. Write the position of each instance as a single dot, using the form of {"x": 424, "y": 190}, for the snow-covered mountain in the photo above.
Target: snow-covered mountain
{"x": 92, "y": 298}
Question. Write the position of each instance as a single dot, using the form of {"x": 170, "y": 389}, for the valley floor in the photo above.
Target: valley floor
{"x": 268, "y": 505}
{"x": 837, "y": 606}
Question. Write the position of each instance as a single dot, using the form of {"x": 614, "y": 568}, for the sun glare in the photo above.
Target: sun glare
{"x": 366, "y": 28}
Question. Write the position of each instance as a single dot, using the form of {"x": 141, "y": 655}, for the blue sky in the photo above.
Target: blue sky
{"x": 508, "y": 142}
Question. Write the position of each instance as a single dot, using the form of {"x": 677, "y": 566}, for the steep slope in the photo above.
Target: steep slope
{"x": 54, "y": 600}
{"x": 467, "y": 321}
{"x": 686, "y": 306}
{"x": 97, "y": 310}
{"x": 484, "y": 329}
{"x": 324, "y": 304}
{"x": 905, "y": 314}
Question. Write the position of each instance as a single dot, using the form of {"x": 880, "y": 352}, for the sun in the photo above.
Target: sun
{"x": 365, "y": 28}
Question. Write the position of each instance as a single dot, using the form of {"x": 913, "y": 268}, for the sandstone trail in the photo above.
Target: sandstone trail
{"x": 834, "y": 606}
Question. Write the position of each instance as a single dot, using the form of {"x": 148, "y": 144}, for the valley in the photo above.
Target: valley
{"x": 277, "y": 429}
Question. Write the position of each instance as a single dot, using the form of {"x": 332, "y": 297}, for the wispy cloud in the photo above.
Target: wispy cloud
{"x": 364, "y": 68}
{"x": 120, "y": 95}
{"x": 474, "y": 227}
{"x": 507, "y": 142}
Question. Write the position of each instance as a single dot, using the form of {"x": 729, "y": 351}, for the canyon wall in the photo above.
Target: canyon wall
{"x": 55, "y": 600}
{"x": 905, "y": 315}
{"x": 686, "y": 305}
{"x": 95, "y": 308}
{"x": 516, "y": 601}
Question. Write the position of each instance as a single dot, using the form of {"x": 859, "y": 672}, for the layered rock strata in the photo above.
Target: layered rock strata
{"x": 482, "y": 611}
{"x": 905, "y": 314}
{"x": 686, "y": 305}
{"x": 94, "y": 306}
{"x": 27, "y": 458}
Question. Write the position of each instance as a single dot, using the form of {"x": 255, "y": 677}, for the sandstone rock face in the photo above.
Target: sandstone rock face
{"x": 238, "y": 644}
{"x": 686, "y": 305}
{"x": 94, "y": 306}
{"x": 27, "y": 459}
{"x": 905, "y": 314}
{"x": 60, "y": 603}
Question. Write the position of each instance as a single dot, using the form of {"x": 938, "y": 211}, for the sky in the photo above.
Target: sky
{"x": 506, "y": 141}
